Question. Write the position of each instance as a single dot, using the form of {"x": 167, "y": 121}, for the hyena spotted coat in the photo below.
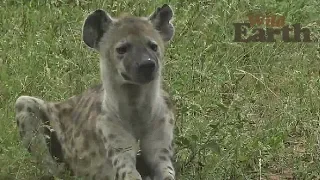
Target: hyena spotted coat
{"x": 98, "y": 133}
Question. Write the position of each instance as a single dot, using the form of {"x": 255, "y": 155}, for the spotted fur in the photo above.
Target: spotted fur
{"x": 98, "y": 134}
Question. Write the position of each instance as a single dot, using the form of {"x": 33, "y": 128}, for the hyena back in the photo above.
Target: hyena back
{"x": 98, "y": 133}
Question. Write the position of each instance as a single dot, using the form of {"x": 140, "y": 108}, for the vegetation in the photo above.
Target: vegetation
{"x": 244, "y": 110}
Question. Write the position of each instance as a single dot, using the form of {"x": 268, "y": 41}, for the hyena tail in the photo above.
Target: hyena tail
{"x": 33, "y": 117}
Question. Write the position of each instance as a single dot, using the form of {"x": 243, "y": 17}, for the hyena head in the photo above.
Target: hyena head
{"x": 131, "y": 48}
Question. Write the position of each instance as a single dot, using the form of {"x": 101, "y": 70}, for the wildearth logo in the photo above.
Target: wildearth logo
{"x": 274, "y": 25}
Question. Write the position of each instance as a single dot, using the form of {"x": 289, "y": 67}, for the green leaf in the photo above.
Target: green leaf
{"x": 214, "y": 146}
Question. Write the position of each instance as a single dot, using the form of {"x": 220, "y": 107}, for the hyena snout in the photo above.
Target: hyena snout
{"x": 146, "y": 71}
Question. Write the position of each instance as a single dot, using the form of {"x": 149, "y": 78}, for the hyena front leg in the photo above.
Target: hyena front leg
{"x": 32, "y": 116}
{"x": 121, "y": 149}
{"x": 157, "y": 148}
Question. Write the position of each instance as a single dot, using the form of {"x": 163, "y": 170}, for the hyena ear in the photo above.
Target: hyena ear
{"x": 161, "y": 21}
{"x": 95, "y": 25}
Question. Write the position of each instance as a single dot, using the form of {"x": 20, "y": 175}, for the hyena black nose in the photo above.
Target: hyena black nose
{"x": 146, "y": 67}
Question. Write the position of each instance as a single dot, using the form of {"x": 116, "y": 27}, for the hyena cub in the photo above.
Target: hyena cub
{"x": 98, "y": 134}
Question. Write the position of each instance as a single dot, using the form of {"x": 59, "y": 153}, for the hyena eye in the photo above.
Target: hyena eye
{"x": 122, "y": 49}
{"x": 153, "y": 46}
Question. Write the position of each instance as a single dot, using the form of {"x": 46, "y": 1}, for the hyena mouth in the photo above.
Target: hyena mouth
{"x": 143, "y": 79}
{"x": 125, "y": 77}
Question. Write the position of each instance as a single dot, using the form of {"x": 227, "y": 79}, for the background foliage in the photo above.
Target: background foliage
{"x": 245, "y": 111}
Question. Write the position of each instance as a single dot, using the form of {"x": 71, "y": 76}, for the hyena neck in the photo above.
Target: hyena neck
{"x": 125, "y": 97}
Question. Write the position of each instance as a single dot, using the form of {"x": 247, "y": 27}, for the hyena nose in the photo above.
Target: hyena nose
{"x": 146, "y": 67}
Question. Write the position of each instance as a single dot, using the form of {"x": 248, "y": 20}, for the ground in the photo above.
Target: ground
{"x": 245, "y": 110}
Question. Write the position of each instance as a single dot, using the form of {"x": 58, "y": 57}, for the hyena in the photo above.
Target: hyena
{"x": 98, "y": 134}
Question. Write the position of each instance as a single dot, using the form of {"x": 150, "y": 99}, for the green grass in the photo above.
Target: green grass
{"x": 245, "y": 111}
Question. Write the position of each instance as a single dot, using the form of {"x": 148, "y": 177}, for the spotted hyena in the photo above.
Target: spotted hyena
{"x": 98, "y": 133}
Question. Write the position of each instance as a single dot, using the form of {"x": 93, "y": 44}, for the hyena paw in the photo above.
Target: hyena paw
{"x": 147, "y": 178}
{"x": 134, "y": 175}
{"x": 167, "y": 175}
{"x": 169, "y": 178}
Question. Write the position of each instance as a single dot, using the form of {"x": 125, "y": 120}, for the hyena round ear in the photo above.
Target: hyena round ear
{"x": 161, "y": 21}
{"x": 95, "y": 25}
